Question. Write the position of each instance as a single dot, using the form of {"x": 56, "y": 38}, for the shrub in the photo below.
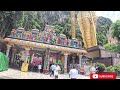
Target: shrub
{"x": 117, "y": 68}
{"x": 110, "y": 69}
{"x": 101, "y": 67}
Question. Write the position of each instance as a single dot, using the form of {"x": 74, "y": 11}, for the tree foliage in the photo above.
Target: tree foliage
{"x": 103, "y": 27}
{"x": 112, "y": 47}
{"x": 29, "y": 20}
{"x": 15, "y": 19}
{"x": 116, "y": 30}
{"x": 6, "y": 22}
{"x": 65, "y": 28}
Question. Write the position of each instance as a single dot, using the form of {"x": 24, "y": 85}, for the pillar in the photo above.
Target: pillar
{"x": 8, "y": 50}
{"x": 73, "y": 60}
{"x": 65, "y": 62}
{"x": 32, "y": 56}
{"x": 46, "y": 62}
{"x": 26, "y": 54}
{"x": 80, "y": 60}
{"x": 0, "y": 47}
{"x": 13, "y": 53}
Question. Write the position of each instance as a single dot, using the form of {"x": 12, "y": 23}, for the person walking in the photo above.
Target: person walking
{"x": 57, "y": 68}
{"x": 73, "y": 73}
{"x": 87, "y": 69}
{"x": 52, "y": 68}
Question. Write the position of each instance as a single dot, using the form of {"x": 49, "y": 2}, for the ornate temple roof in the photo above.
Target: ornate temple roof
{"x": 42, "y": 45}
{"x": 45, "y": 39}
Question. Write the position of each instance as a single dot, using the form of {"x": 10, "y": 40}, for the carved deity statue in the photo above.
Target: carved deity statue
{"x": 87, "y": 24}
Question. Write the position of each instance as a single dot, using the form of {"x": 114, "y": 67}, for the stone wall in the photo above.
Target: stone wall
{"x": 116, "y": 61}
{"x": 106, "y": 61}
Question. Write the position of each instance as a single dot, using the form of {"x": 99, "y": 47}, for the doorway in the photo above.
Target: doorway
{"x": 73, "y": 59}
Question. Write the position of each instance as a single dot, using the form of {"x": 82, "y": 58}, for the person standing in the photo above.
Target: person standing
{"x": 93, "y": 70}
{"x": 57, "y": 68}
{"x": 39, "y": 67}
{"x": 73, "y": 73}
{"x": 87, "y": 69}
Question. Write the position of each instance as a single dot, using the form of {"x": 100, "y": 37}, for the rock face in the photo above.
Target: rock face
{"x": 55, "y": 16}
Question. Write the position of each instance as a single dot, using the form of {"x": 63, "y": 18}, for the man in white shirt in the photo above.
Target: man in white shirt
{"x": 57, "y": 68}
{"x": 73, "y": 73}
{"x": 39, "y": 67}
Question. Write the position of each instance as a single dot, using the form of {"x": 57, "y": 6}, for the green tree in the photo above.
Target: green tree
{"x": 30, "y": 20}
{"x": 6, "y": 23}
{"x": 103, "y": 27}
{"x": 116, "y": 30}
{"x": 63, "y": 28}
{"x": 110, "y": 47}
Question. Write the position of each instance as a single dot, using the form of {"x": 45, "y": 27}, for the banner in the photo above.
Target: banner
{"x": 103, "y": 76}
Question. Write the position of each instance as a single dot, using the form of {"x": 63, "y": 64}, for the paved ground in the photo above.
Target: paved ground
{"x": 16, "y": 74}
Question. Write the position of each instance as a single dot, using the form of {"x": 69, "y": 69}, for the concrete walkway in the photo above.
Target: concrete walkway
{"x": 16, "y": 74}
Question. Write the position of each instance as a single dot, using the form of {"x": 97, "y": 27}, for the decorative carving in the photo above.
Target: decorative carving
{"x": 46, "y": 36}
{"x": 62, "y": 39}
{"x": 13, "y": 33}
{"x": 27, "y": 35}
{"x": 19, "y": 33}
{"x": 35, "y": 33}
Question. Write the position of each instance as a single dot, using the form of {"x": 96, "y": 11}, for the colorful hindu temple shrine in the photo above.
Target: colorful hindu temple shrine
{"x": 46, "y": 47}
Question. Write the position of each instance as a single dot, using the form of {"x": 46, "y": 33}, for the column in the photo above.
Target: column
{"x": 0, "y": 47}
{"x": 8, "y": 50}
{"x": 13, "y": 53}
{"x": 46, "y": 62}
{"x": 65, "y": 62}
{"x": 26, "y": 54}
{"x": 73, "y": 60}
{"x": 32, "y": 56}
{"x": 80, "y": 60}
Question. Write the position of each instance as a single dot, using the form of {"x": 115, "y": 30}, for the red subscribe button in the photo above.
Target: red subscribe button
{"x": 103, "y": 76}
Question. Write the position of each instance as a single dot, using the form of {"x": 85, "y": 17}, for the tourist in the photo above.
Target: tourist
{"x": 57, "y": 68}
{"x": 52, "y": 68}
{"x": 97, "y": 67}
{"x": 73, "y": 73}
{"x": 82, "y": 69}
{"x": 87, "y": 69}
{"x": 93, "y": 70}
{"x": 39, "y": 67}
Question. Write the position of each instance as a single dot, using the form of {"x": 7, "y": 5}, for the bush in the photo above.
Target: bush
{"x": 110, "y": 69}
{"x": 117, "y": 68}
{"x": 101, "y": 67}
